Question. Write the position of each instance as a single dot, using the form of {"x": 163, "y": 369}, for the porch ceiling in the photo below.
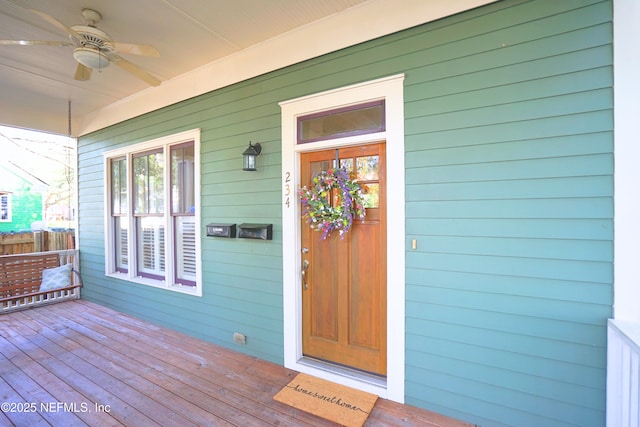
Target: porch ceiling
{"x": 36, "y": 82}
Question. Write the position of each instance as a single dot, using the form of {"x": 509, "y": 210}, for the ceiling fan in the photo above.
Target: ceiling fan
{"x": 93, "y": 48}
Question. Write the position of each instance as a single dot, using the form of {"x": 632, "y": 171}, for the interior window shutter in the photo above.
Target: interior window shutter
{"x": 160, "y": 256}
{"x": 149, "y": 248}
{"x": 186, "y": 247}
{"x": 122, "y": 245}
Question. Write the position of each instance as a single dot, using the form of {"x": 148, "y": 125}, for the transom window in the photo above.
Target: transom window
{"x": 353, "y": 120}
{"x": 152, "y": 226}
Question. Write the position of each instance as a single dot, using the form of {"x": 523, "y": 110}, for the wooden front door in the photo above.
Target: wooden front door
{"x": 344, "y": 295}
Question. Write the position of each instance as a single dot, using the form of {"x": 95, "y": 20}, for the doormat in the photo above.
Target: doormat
{"x": 335, "y": 402}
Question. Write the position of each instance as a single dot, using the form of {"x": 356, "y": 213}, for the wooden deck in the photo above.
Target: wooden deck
{"x": 77, "y": 363}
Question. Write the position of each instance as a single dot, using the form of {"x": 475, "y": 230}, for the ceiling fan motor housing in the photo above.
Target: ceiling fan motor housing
{"x": 92, "y": 46}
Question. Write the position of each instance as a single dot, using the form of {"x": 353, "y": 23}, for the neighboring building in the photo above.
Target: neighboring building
{"x": 495, "y": 238}
{"x": 20, "y": 198}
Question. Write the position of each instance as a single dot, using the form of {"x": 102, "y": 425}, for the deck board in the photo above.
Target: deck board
{"x": 82, "y": 355}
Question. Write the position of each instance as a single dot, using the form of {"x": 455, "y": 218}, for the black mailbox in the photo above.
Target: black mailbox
{"x": 255, "y": 231}
{"x": 221, "y": 230}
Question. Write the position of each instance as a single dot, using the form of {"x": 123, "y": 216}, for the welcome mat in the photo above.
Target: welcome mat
{"x": 335, "y": 402}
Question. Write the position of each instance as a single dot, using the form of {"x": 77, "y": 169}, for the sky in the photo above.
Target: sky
{"x": 41, "y": 154}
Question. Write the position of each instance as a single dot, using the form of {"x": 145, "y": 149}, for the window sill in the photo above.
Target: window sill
{"x": 161, "y": 284}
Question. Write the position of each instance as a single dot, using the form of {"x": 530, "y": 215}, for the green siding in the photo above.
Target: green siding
{"x": 26, "y": 208}
{"x": 509, "y": 194}
{"x": 25, "y": 202}
{"x": 509, "y": 187}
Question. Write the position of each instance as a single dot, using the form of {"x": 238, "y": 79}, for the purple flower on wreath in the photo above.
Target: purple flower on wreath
{"x": 318, "y": 205}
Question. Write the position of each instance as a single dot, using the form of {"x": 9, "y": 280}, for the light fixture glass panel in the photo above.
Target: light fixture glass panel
{"x": 249, "y": 162}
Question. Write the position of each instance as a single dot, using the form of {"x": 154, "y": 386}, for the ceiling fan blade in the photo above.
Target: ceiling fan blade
{"x": 135, "y": 70}
{"x": 53, "y": 21}
{"x": 136, "y": 49}
{"x": 34, "y": 43}
{"x": 82, "y": 73}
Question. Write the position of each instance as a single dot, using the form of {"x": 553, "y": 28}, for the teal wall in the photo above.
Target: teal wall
{"x": 509, "y": 173}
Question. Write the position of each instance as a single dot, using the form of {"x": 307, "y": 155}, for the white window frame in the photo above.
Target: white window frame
{"x": 7, "y": 197}
{"x": 165, "y": 143}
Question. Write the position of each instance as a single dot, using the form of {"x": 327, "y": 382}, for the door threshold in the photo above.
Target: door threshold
{"x": 372, "y": 380}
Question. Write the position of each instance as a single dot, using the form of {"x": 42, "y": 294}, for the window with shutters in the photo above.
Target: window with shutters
{"x": 148, "y": 211}
{"x": 183, "y": 212}
{"x": 153, "y": 227}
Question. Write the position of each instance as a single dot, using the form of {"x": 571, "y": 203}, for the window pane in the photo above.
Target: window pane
{"x": 140, "y": 177}
{"x": 121, "y": 243}
{"x": 318, "y": 167}
{"x": 348, "y": 164}
{"x": 148, "y": 182}
{"x": 185, "y": 250}
{"x": 151, "y": 250}
{"x": 182, "y": 180}
{"x": 368, "y": 168}
{"x": 371, "y": 193}
{"x": 119, "y": 186}
{"x": 354, "y": 120}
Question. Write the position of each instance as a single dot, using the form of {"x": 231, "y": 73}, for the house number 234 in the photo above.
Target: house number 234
{"x": 287, "y": 189}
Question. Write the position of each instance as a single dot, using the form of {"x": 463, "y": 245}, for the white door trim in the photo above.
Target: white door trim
{"x": 391, "y": 89}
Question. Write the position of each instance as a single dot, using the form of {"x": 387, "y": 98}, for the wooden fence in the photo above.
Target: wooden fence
{"x": 36, "y": 241}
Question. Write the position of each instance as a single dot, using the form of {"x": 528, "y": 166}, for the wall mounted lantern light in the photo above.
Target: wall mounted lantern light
{"x": 249, "y": 157}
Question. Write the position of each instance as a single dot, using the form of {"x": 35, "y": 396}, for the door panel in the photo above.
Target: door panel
{"x": 344, "y": 290}
{"x": 364, "y": 327}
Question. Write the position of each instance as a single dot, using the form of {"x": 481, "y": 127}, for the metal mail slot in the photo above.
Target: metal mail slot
{"x": 221, "y": 230}
{"x": 255, "y": 231}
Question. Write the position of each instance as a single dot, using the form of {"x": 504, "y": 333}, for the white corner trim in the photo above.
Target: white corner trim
{"x": 626, "y": 67}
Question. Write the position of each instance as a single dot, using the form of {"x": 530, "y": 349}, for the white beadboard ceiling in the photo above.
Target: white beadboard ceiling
{"x": 204, "y": 44}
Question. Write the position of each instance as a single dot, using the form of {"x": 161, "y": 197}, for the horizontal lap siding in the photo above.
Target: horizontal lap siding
{"x": 509, "y": 195}
{"x": 242, "y": 289}
{"x": 509, "y": 172}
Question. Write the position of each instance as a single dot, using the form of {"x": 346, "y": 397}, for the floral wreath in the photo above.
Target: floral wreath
{"x": 317, "y": 207}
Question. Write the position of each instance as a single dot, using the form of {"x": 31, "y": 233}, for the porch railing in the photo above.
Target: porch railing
{"x": 623, "y": 374}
